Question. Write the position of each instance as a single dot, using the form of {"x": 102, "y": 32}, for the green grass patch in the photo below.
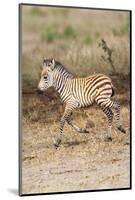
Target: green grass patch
{"x": 50, "y": 34}
{"x": 88, "y": 40}
{"x": 69, "y": 32}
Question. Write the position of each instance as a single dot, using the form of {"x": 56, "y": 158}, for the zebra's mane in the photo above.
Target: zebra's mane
{"x": 63, "y": 70}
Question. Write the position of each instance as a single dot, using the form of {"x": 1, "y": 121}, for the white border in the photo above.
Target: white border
{"x": 9, "y": 97}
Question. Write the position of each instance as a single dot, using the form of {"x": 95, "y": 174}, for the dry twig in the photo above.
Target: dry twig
{"x": 108, "y": 56}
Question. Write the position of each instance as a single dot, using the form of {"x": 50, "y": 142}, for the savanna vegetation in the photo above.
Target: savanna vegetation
{"x": 86, "y": 42}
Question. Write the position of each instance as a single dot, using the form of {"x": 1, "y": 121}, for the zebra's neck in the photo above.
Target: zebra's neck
{"x": 59, "y": 79}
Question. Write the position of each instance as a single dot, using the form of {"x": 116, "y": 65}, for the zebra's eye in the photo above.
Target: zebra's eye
{"x": 45, "y": 77}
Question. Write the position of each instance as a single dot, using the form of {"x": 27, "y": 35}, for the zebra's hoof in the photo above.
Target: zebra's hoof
{"x": 83, "y": 130}
{"x": 120, "y": 128}
{"x": 57, "y": 142}
{"x": 108, "y": 139}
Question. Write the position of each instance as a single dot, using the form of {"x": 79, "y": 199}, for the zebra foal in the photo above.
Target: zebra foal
{"x": 80, "y": 92}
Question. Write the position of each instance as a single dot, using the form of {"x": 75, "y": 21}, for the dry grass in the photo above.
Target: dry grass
{"x": 83, "y": 161}
{"x": 73, "y": 41}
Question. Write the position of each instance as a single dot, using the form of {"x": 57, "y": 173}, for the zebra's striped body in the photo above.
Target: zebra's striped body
{"x": 80, "y": 92}
{"x": 86, "y": 91}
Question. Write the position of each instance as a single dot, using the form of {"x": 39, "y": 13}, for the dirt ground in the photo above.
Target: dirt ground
{"x": 83, "y": 161}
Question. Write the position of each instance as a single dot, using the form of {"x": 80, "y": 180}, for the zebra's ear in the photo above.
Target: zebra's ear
{"x": 53, "y": 64}
{"x": 44, "y": 59}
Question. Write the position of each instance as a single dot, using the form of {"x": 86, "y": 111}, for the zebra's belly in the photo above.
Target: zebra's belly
{"x": 84, "y": 104}
{"x": 82, "y": 101}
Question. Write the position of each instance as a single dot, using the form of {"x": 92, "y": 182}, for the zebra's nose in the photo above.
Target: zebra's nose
{"x": 39, "y": 91}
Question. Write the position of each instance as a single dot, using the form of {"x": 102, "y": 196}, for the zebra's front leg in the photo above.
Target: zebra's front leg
{"x": 64, "y": 118}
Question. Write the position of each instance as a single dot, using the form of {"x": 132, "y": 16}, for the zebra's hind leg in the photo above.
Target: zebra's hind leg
{"x": 75, "y": 127}
{"x": 109, "y": 115}
{"x": 116, "y": 107}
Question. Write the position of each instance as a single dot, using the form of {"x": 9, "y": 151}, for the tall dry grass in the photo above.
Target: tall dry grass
{"x": 72, "y": 37}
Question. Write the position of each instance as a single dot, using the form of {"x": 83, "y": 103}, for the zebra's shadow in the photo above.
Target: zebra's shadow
{"x": 74, "y": 143}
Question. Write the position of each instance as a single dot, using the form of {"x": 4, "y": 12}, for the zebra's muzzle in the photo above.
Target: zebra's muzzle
{"x": 38, "y": 91}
